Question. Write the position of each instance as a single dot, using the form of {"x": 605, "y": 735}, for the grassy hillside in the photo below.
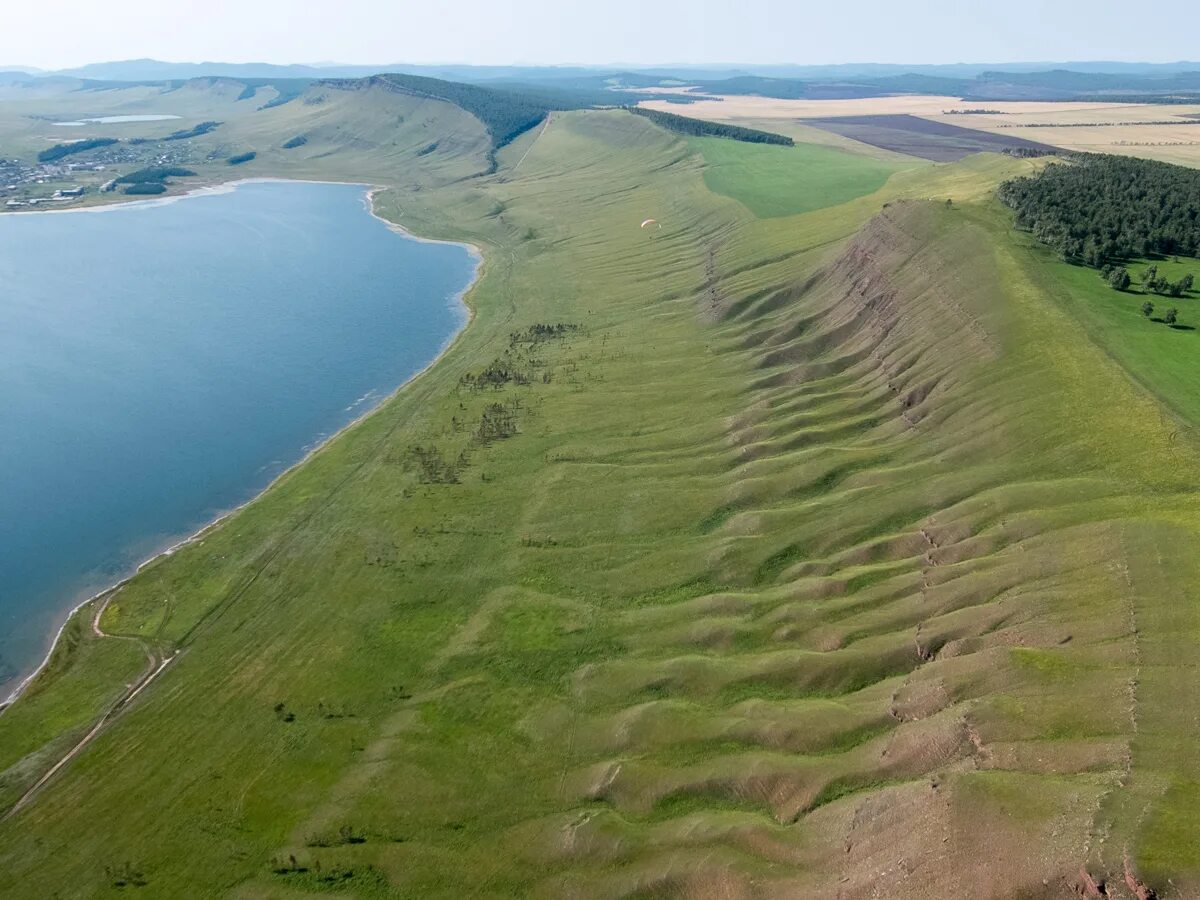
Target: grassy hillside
{"x": 504, "y": 114}
{"x": 370, "y": 134}
{"x": 820, "y": 555}
{"x": 365, "y": 133}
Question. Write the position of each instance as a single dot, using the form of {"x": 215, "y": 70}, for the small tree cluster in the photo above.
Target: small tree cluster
{"x": 1170, "y": 317}
{"x": 1117, "y": 277}
{"x": 535, "y": 334}
{"x": 433, "y": 468}
{"x": 498, "y": 373}
{"x": 498, "y": 421}
{"x": 1160, "y": 285}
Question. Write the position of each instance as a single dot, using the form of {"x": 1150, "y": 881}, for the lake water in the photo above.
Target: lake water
{"x": 160, "y": 363}
{"x": 119, "y": 120}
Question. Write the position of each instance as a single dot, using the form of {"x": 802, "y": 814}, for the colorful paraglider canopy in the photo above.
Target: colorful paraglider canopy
{"x": 651, "y": 222}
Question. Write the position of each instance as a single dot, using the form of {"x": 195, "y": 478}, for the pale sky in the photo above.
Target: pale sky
{"x": 72, "y": 32}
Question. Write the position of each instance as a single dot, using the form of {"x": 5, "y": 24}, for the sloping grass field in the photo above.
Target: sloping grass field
{"x": 823, "y": 548}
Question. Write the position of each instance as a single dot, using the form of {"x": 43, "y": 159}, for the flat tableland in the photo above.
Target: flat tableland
{"x": 1168, "y": 132}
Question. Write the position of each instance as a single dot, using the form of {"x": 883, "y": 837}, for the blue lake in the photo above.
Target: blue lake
{"x": 160, "y": 363}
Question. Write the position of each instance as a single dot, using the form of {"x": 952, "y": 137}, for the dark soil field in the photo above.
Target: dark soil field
{"x": 921, "y": 137}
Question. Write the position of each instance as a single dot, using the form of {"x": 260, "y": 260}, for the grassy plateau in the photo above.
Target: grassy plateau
{"x": 833, "y": 541}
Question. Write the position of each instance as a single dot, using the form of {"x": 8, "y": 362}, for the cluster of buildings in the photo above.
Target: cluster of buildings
{"x": 62, "y": 195}
{"x": 33, "y": 184}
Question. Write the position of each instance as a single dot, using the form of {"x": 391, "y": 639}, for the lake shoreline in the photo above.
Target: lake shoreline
{"x": 370, "y": 192}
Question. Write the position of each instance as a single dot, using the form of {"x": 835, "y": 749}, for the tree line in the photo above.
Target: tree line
{"x": 58, "y": 151}
{"x": 155, "y": 174}
{"x": 1101, "y": 209}
{"x": 182, "y": 135}
{"x": 702, "y": 128}
{"x": 505, "y": 114}
{"x": 152, "y": 180}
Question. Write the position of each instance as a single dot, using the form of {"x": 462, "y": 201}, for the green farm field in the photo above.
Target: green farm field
{"x": 840, "y": 544}
{"x": 774, "y": 181}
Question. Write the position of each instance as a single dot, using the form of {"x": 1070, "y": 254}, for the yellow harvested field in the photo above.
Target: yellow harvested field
{"x": 1157, "y": 131}
{"x": 664, "y": 89}
{"x": 927, "y": 105}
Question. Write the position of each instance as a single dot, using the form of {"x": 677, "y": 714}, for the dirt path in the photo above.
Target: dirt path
{"x": 533, "y": 143}
{"x": 155, "y": 664}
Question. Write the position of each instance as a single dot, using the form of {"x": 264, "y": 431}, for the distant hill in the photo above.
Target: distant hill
{"x": 156, "y": 70}
{"x": 953, "y": 70}
{"x": 565, "y": 87}
{"x": 506, "y": 112}
{"x": 1065, "y": 82}
{"x": 1056, "y": 84}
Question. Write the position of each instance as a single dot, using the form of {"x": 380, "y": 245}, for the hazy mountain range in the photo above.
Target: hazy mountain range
{"x": 157, "y": 70}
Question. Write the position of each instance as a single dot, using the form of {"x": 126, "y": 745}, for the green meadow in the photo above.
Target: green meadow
{"x": 773, "y": 181}
{"x": 1161, "y": 357}
{"x": 832, "y": 530}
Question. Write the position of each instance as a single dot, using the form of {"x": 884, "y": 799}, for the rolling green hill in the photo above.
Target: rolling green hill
{"x": 822, "y": 547}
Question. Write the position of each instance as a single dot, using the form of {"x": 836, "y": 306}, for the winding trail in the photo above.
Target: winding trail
{"x": 533, "y": 143}
{"x": 155, "y": 664}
